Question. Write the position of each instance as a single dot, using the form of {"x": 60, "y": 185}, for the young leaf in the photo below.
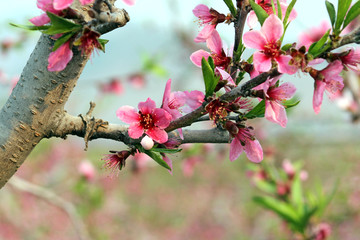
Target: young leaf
{"x": 165, "y": 150}
{"x": 61, "y": 25}
{"x": 352, "y": 14}
{"x": 209, "y": 78}
{"x": 286, "y": 46}
{"x": 279, "y": 9}
{"x": 30, "y": 27}
{"x": 343, "y": 6}
{"x": 273, "y": 7}
{"x": 288, "y": 11}
{"x": 259, "y": 11}
{"x": 61, "y": 40}
{"x": 211, "y": 62}
{"x": 231, "y": 7}
{"x": 282, "y": 209}
{"x": 157, "y": 159}
{"x": 102, "y": 43}
{"x": 291, "y": 103}
{"x": 318, "y": 47}
{"x": 331, "y": 11}
{"x": 257, "y": 112}
{"x": 296, "y": 195}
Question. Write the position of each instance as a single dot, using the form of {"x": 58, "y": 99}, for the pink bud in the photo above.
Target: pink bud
{"x": 87, "y": 170}
{"x": 147, "y": 143}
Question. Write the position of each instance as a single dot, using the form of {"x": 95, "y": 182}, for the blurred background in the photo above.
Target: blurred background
{"x": 207, "y": 197}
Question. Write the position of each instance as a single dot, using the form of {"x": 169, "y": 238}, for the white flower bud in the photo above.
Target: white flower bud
{"x": 147, "y": 143}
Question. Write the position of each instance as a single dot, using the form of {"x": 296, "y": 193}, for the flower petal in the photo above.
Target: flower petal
{"x": 60, "y": 58}
{"x": 283, "y": 65}
{"x": 235, "y": 149}
{"x": 214, "y": 43}
{"x": 272, "y": 28}
{"x": 86, "y": 2}
{"x": 318, "y": 95}
{"x": 40, "y": 20}
{"x": 205, "y": 33}
{"x": 147, "y": 107}
{"x": 62, "y": 4}
{"x": 198, "y": 55}
{"x": 254, "y": 39}
{"x": 201, "y": 11}
{"x": 262, "y": 63}
{"x": 157, "y": 134}
{"x": 253, "y": 151}
{"x": 275, "y": 112}
{"x": 135, "y": 130}
{"x": 128, "y": 114}
{"x": 161, "y": 118}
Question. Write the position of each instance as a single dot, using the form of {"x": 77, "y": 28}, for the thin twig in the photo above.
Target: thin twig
{"x": 52, "y": 198}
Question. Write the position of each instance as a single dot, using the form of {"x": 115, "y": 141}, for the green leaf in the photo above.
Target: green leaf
{"x": 284, "y": 210}
{"x": 266, "y": 186}
{"x": 273, "y": 7}
{"x": 157, "y": 157}
{"x": 61, "y": 40}
{"x": 259, "y": 11}
{"x": 61, "y": 25}
{"x": 257, "y": 112}
{"x": 165, "y": 150}
{"x": 211, "y": 63}
{"x": 288, "y": 11}
{"x": 352, "y": 14}
{"x": 343, "y": 6}
{"x": 230, "y": 5}
{"x": 286, "y": 47}
{"x": 209, "y": 78}
{"x": 318, "y": 47}
{"x": 290, "y": 103}
{"x": 331, "y": 11}
{"x": 279, "y": 9}
{"x": 30, "y": 27}
{"x": 297, "y": 195}
{"x": 102, "y": 43}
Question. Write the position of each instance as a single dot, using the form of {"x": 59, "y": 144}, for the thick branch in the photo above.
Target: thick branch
{"x": 35, "y": 105}
{"x": 78, "y": 126}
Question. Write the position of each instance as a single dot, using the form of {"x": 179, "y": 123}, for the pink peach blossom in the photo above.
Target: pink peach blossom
{"x": 53, "y": 6}
{"x": 313, "y": 34}
{"x": 245, "y": 141}
{"x": 116, "y": 160}
{"x": 149, "y": 120}
{"x": 332, "y": 82}
{"x": 208, "y": 17}
{"x": 59, "y": 59}
{"x": 352, "y": 59}
{"x": 267, "y": 40}
{"x": 194, "y": 99}
{"x": 214, "y": 43}
{"x": 274, "y": 110}
{"x": 172, "y": 101}
{"x": 266, "y": 5}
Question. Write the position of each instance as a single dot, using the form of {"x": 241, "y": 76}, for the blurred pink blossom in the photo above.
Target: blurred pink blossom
{"x": 352, "y": 59}
{"x": 313, "y": 34}
{"x": 87, "y": 169}
{"x": 137, "y": 80}
{"x": 114, "y": 87}
{"x": 322, "y": 231}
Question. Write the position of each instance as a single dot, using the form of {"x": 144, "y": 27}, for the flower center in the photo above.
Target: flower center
{"x": 272, "y": 49}
{"x": 146, "y": 121}
{"x": 221, "y": 60}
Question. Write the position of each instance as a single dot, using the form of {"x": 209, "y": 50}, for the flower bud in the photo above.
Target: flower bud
{"x": 147, "y": 143}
